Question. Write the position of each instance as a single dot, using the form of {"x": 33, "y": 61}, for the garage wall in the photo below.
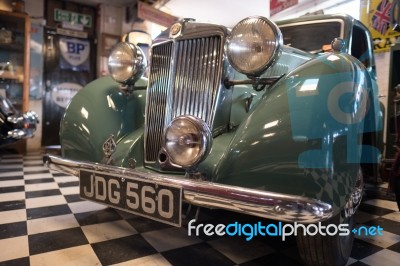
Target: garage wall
{"x": 382, "y": 61}
{"x": 110, "y": 20}
{"x": 35, "y": 9}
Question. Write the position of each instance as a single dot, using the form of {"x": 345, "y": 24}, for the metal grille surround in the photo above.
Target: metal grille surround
{"x": 185, "y": 78}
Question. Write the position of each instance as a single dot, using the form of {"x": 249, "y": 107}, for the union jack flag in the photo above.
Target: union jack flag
{"x": 381, "y": 18}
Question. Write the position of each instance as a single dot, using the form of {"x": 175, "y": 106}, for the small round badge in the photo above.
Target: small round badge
{"x": 176, "y": 28}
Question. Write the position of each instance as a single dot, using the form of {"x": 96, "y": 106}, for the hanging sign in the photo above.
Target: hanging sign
{"x": 72, "y": 33}
{"x": 377, "y": 15}
{"x": 276, "y": 6}
{"x": 63, "y": 93}
{"x": 147, "y": 12}
{"x": 74, "y": 54}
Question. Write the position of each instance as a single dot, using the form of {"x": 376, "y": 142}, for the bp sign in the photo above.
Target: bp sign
{"x": 72, "y": 17}
{"x": 74, "y": 51}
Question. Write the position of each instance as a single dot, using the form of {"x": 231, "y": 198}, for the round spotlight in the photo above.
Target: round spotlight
{"x": 187, "y": 141}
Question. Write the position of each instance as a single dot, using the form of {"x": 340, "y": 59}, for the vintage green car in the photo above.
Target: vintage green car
{"x": 272, "y": 121}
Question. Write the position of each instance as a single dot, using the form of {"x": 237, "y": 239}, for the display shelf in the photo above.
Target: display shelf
{"x": 15, "y": 28}
{"x": 14, "y": 47}
{"x": 17, "y": 77}
{"x": 14, "y": 50}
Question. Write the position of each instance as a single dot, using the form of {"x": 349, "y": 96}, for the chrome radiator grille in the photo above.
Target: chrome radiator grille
{"x": 156, "y": 99}
{"x": 184, "y": 80}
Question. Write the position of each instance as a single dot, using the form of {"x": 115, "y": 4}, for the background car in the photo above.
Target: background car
{"x": 15, "y": 125}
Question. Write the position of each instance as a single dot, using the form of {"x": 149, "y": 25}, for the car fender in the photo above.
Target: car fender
{"x": 304, "y": 136}
{"x": 98, "y": 111}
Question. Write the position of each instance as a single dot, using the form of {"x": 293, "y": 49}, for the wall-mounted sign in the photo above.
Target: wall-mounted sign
{"x": 276, "y": 6}
{"x": 72, "y": 17}
{"x": 72, "y": 33}
{"x": 63, "y": 93}
{"x": 377, "y": 16}
{"x": 74, "y": 54}
{"x": 71, "y": 26}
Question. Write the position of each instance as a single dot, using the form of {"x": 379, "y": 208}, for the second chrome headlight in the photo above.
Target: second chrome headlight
{"x": 187, "y": 141}
{"x": 127, "y": 63}
{"x": 253, "y": 45}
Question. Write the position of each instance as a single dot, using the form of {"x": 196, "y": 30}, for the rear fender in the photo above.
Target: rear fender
{"x": 304, "y": 136}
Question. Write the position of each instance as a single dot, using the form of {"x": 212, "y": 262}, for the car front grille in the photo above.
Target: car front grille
{"x": 185, "y": 79}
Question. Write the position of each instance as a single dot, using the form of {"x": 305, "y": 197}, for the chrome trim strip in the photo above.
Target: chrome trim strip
{"x": 254, "y": 202}
{"x": 18, "y": 134}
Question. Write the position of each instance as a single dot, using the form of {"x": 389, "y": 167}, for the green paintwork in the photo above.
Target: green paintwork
{"x": 263, "y": 153}
{"x": 100, "y": 104}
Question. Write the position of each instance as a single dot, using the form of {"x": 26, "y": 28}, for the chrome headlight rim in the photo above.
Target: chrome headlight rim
{"x": 136, "y": 65}
{"x": 278, "y": 41}
{"x": 204, "y": 146}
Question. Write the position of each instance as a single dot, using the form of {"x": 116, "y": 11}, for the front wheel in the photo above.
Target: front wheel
{"x": 333, "y": 249}
{"x": 327, "y": 250}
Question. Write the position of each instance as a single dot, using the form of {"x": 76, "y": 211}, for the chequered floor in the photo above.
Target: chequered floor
{"x": 43, "y": 222}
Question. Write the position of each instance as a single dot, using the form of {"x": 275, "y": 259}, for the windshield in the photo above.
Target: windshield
{"x": 310, "y": 37}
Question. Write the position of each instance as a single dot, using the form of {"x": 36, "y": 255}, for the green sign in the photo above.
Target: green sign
{"x": 72, "y": 18}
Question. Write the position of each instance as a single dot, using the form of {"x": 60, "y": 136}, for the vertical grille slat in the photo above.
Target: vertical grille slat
{"x": 189, "y": 101}
{"x": 184, "y": 80}
{"x": 202, "y": 75}
{"x": 184, "y": 89}
{"x": 209, "y": 74}
{"x": 195, "y": 102}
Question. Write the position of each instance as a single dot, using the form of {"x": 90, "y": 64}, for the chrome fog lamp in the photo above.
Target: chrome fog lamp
{"x": 187, "y": 141}
{"x": 253, "y": 45}
{"x": 126, "y": 63}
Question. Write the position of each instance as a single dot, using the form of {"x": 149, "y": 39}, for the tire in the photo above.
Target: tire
{"x": 327, "y": 250}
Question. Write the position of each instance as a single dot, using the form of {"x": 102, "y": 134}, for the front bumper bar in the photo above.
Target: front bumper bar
{"x": 276, "y": 206}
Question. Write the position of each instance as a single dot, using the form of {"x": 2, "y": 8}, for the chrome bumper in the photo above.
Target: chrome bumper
{"x": 254, "y": 202}
{"x": 20, "y": 134}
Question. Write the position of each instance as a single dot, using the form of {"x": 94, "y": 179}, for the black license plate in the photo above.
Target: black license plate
{"x": 155, "y": 201}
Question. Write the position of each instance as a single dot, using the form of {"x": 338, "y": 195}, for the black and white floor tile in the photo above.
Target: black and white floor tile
{"x": 44, "y": 222}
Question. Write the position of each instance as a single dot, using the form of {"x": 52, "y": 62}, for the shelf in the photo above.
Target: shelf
{"x": 17, "y": 53}
{"x": 11, "y": 75}
{"x": 17, "y": 47}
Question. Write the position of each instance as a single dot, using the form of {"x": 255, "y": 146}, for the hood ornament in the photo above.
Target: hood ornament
{"x": 175, "y": 30}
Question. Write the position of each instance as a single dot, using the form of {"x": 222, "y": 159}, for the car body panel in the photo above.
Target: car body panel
{"x": 279, "y": 148}
{"x": 100, "y": 102}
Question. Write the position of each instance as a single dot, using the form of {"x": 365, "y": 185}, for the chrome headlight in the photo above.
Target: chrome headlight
{"x": 126, "y": 63}
{"x": 187, "y": 140}
{"x": 253, "y": 45}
